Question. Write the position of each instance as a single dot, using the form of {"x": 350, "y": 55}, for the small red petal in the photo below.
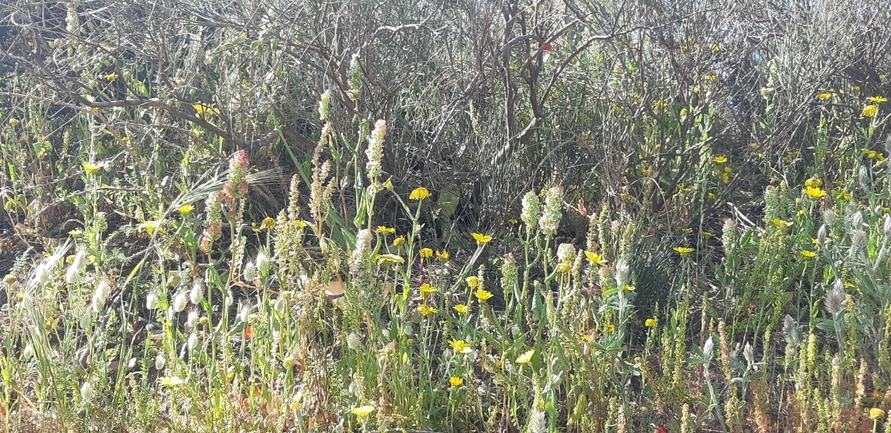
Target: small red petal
{"x": 249, "y": 332}
{"x": 549, "y": 47}
{"x": 661, "y": 429}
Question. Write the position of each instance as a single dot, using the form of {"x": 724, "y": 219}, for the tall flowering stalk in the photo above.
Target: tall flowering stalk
{"x": 374, "y": 152}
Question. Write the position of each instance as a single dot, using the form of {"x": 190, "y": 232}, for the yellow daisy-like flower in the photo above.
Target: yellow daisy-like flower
{"x": 482, "y": 294}
{"x": 205, "y": 110}
{"x": 150, "y": 226}
{"x": 564, "y": 268}
{"x": 419, "y": 194}
{"x": 843, "y": 195}
{"x": 268, "y": 223}
{"x": 824, "y": 96}
{"x": 185, "y": 209}
{"x": 720, "y": 159}
{"x": 869, "y": 110}
{"x": 427, "y": 289}
{"x": 872, "y": 154}
{"x": 725, "y": 178}
{"x": 456, "y": 381}
{"x": 813, "y": 183}
{"x": 651, "y": 323}
{"x": 595, "y": 258}
{"x": 362, "y": 411}
{"x": 460, "y": 346}
{"x": 526, "y": 357}
{"x": 808, "y": 254}
{"x": 398, "y": 241}
{"x": 473, "y": 281}
{"x": 877, "y": 99}
{"x": 390, "y": 259}
{"x": 90, "y": 168}
{"x": 443, "y": 256}
{"x": 426, "y": 310}
{"x": 876, "y": 414}
{"x": 426, "y": 252}
{"x": 481, "y": 238}
{"x": 814, "y": 192}
{"x": 386, "y": 230}
{"x": 461, "y": 308}
{"x": 683, "y": 250}
{"x": 781, "y": 223}
{"x": 14, "y": 122}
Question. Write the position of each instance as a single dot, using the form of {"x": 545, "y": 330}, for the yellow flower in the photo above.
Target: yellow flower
{"x": 461, "y": 308}
{"x": 419, "y": 194}
{"x": 781, "y": 223}
{"x": 725, "y": 178}
{"x": 651, "y": 323}
{"x": 171, "y": 381}
{"x": 386, "y": 230}
{"x": 876, "y": 414}
{"x": 362, "y": 411}
{"x": 872, "y": 154}
{"x": 595, "y": 258}
{"x": 460, "y": 346}
{"x": 660, "y": 104}
{"x": 110, "y": 77}
{"x": 526, "y": 357}
{"x": 629, "y": 288}
{"x": 564, "y": 268}
{"x": 720, "y": 159}
{"x": 14, "y": 122}
{"x": 711, "y": 196}
{"x": 843, "y": 195}
{"x": 185, "y": 209}
{"x": 482, "y": 294}
{"x": 150, "y": 226}
{"x": 610, "y": 328}
{"x": 268, "y": 223}
{"x": 91, "y": 168}
{"x": 869, "y": 110}
{"x": 202, "y": 109}
{"x": 389, "y": 259}
{"x": 456, "y": 381}
{"x": 684, "y": 250}
{"x": 877, "y": 99}
{"x": 443, "y": 256}
{"x": 426, "y": 310}
{"x": 426, "y": 252}
{"x": 399, "y": 241}
{"x": 813, "y": 183}
{"x": 481, "y": 238}
{"x": 814, "y": 192}
{"x": 808, "y": 254}
{"x": 427, "y": 289}
{"x": 473, "y": 281}
{"x": 825, "y": 95}
{"x": 388, "y": 184}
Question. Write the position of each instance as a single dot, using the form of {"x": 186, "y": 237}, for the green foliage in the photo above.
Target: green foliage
{"x": 267, "y": 216}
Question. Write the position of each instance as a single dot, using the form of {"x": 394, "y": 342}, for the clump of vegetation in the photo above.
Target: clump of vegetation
{"x": 538, "y": 217}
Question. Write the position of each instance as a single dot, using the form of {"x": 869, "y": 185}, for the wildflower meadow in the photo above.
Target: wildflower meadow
{"x": 502, "y": 216}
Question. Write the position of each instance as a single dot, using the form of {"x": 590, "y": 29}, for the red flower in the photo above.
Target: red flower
{"x": 661, "y": 429}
